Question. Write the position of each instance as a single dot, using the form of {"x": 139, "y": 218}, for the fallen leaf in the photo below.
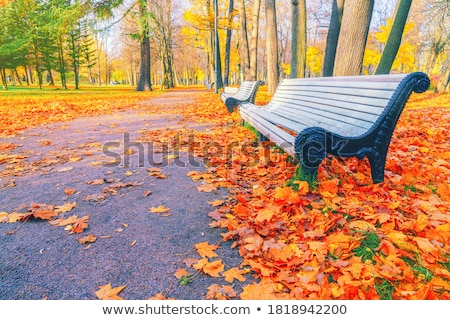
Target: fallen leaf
{"x": 181, "y": 273}
{"x": 44, "y": 214}
{"x": 87, "y": 239}
{"x": 80, "y": 224}
{"x": 65, "y": 207}
{"x": 159, "y": 209}
{"x": 147, "y": 193}
{"x": 207, "y": 188}
{"x": 65, "y": 169}
{"x": 205, "y": 249}
{"x": 216, "y": 203}
{"x": 107, "y": 292}
{"x": 220, "y": 292}
{"x": 234, "y": 273}
{"x": 69, "y": 191}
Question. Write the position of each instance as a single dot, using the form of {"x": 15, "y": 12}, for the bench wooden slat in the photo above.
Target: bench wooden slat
{"x": 337, "y": 91}
{"x": 342, "y": 116}
{"x": 333, "y": 99}
{"x": 281, "y": 138}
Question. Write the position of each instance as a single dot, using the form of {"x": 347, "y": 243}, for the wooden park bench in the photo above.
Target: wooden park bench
{"x": 343, "y": 116}
{"x": 209, "y": 86}
{"x": 245, "y": 93}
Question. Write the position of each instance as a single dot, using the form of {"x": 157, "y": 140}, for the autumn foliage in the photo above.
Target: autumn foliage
{"x": 345, "y": 238}
{"x": 340, "y": 238}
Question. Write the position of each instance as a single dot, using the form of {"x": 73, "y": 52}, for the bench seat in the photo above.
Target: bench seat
{"x": 342, "y": 116}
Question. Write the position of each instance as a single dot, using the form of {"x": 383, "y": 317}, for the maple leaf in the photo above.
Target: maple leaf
{"x": 234, "y": 273}
{"x": 44, "y": 214}
{"x": 80, "y": 224}
{"x": 65, "y": 208}
{"x": 213, "y": 268}
{"x": 220, "y": 292}
{"x": 64, "y": 222}
{"x": 107, "y": 292}
{"x": 262, "y": 291}
{"x": 265, "y": 215}
{"x": 159, "y": 209}
{"x": 181, "y": 273}
{"x": 205, "y": 249}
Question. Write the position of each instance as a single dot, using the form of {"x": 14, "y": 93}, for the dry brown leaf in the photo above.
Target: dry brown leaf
{"x": 87, "y": 239}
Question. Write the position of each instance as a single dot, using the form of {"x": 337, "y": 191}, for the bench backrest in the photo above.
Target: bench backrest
{"x": 348, "y": 106}
{"x": 246, "y": 90}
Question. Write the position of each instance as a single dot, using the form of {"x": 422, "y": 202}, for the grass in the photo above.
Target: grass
{"x": 418, "y": 268}
{"x": 366, "y": 249}
{"x": 300, "y": 175}
{"x": 384, "y": 289}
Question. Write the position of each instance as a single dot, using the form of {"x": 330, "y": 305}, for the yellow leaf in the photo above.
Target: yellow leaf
{"x": 66, "y": 207}
{"x": 205, "y": 249}
{"x": 107, "y": 292}
{"x": 159, "y": 209}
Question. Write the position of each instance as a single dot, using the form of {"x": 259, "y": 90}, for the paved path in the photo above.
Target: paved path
{"x": 134, "y": 247}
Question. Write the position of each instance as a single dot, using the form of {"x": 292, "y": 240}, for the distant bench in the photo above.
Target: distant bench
{"x": 245, "y": 93}
{"x": 342, "y": 116}
{"x": 209, "y": 86}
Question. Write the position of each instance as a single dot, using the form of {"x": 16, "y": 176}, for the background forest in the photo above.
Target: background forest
{"x": 65, "y": 43}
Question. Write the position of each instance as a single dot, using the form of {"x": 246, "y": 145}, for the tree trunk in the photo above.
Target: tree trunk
{"x": 254, "y": 41}
{"x": 243, "y": 43}
{"x": 226, "y": 71}
{"x": 353, "y": 37}
{"x": 395, "y": 37}
{"x": 332, "y": 37}
{"x": 298, "y": 58}
{"x": 218, "y": 82}
{"x": 144, "y": 82}
{"x": 443, "y": 84}
{"x": 62, "y": 63}
{"x": 3, "y": 76}
{"x": 272, "y": 47}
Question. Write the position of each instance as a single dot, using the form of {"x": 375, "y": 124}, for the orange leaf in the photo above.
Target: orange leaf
{"x": 234, "y": 273}
{"x": 107, "y": 292}
{"x": 69, "y": 191}
{"x": 213, "y": 268}
{"x": 80, "y": 224}
{"x": 44, "y": 214}
{"x": 205, "y": 249}
{"x": 181, "y": 273}
{"x": 220, "y": 292}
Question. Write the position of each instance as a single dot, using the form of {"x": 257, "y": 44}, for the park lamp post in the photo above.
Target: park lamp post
{"x": 216, "y": 48}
